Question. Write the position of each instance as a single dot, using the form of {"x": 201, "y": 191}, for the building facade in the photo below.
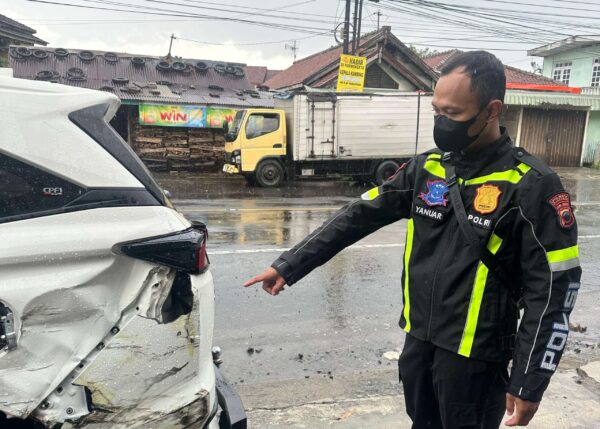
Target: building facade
{"x": 174, "y": 111}
{"x": 17, "y": 34}
{"x": 575, "y": 62}
{"x": 390, "y": 65}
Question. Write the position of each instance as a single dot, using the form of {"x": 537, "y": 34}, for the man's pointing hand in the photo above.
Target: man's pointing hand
{"x": 272, "y": 282}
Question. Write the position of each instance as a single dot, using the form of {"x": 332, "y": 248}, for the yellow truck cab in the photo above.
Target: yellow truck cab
{"x": 256, "y": 146}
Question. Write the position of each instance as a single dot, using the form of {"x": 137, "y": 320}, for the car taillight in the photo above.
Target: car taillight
{"x": 183, "y": 250}
{"x": 202, "y": 259}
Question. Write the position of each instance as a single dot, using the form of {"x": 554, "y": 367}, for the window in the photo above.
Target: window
{"x": 596, "y": 73}
{"x": 234, "y": 130}
{"x": 260, "y": 124}
{"x": 25, "y": 190}
{"x": 562, "y": 72}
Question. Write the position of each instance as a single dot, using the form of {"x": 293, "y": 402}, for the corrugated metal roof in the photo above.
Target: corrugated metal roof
{"x": 140, "y": 78}
{"x": 541, "y": 99}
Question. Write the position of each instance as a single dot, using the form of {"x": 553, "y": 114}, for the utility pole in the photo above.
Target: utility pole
{"x": 378, "y": 15}
{"x": 346, "y": 27}
{"x": 171, "y": 45}
{"x": 292, "y": 48}
{"x": 360, "y": 9}
{"x": 354, "y": 26}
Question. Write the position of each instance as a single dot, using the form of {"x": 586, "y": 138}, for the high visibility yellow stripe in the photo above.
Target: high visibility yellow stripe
{"x": 511, "y": 176}
{"x": 433, "y": 165}
{"x": 563, "y": 259}
{"x": 407, "y": 252}
{"x": 370, "y": 194}
{"x": 563, "y": 254}
{"x": 466, "y": 343}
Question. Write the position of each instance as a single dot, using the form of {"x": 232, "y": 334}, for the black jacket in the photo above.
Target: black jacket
{"x": 517, "y": 206}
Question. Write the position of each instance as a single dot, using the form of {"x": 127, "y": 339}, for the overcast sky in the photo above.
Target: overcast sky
{"x": 221, "y": 30}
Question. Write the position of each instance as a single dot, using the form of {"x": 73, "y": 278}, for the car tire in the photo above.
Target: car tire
{"x": 385, "y": 170}
{"x": 269, "y": 173}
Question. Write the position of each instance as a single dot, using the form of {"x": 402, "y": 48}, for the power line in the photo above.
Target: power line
{"x": 494, "y": 17}
{"x": 515, "y": 20}
{"x": 252, "y": 43}
{"x": 556, "y": 1}
{"x": 220, "y": 9}
{"x": 459, "y": 21}
{"x": 282, "y": 26}
{"x": 541, "y": 5}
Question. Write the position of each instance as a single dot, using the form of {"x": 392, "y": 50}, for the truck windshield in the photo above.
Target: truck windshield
{"x": 235, "y": 126}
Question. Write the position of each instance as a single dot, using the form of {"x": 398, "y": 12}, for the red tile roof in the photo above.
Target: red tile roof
{"x": 303, "y": 69}
{"x": 513, "y": 74}
{"x": 258, "y": 75}
{"x": 436, "y": 61}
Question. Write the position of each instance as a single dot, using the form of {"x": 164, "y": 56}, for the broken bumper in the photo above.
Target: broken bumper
{"x": 233, "y": 415}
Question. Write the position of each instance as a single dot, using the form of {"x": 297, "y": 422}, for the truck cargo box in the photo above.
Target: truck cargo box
{"x": 327, "y": 126}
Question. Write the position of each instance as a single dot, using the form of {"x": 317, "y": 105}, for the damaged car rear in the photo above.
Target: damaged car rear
{"x": 106, "y": 298}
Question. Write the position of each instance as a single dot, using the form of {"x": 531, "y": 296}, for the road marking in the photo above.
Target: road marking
{"x": 266, "y": 209}
{"x": 355, "y": 246}
{"x": 283, "y": 249}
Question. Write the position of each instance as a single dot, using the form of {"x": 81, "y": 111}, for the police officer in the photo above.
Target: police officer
{"x": 489, "y": 226}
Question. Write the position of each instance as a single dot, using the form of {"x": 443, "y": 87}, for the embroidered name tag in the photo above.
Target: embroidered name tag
{"x": 430, "y": 213}
{"x": 480, "y": 221}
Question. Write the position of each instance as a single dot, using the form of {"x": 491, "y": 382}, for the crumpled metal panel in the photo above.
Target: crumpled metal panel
{"x": 156, "y": 375}
{"x": 68, "y": 291}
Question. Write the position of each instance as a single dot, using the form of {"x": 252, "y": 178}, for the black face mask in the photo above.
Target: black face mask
{"x": 453, "y": 136}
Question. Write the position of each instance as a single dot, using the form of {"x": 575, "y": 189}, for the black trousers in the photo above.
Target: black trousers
{"x": 444, "y": 390}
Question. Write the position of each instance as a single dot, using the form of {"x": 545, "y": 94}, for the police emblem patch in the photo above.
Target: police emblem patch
{"x": 486, "y": 199}
{"x": 436, "y": 193}
{"x": 562, "y": 204}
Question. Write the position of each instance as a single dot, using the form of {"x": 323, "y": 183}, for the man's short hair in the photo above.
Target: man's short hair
{"x": 488, "y": 80}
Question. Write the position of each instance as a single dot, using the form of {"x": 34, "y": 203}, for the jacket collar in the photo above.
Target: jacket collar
{"x": 468, "y": 164}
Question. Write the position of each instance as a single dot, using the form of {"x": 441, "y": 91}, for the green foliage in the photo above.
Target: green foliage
{"x": 423, "y": 52}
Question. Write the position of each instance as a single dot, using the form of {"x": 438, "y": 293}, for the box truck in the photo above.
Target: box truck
{"x": 362, "y": 136}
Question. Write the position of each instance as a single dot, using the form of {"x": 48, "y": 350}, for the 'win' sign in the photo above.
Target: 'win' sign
{"x": 185, "y": 116}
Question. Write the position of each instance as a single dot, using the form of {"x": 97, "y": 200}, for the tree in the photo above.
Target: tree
{"x": 423, "y": 52}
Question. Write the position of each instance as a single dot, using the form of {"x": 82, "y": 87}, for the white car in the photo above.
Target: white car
{"x": 106, "y": 300}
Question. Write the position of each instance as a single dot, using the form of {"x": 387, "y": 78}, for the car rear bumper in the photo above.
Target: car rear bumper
{"x": 232, "y": 415}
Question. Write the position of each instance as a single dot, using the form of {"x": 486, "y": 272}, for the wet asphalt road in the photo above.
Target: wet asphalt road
{"x": 338, "y": 321}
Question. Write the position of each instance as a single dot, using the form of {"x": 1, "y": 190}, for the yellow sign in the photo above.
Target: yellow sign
{"x": 351, "y": 76}
{"x": 486, "y": 200}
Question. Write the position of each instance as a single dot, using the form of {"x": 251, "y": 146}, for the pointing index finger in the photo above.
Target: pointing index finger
{"x": 253, "y": 280}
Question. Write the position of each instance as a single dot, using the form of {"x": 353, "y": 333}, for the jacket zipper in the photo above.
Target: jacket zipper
{"x": 433, "y": 284}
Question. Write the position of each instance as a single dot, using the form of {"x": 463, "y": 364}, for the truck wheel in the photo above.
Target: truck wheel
{"x": 385, "y": 170}
{"x": 269, "y": 173}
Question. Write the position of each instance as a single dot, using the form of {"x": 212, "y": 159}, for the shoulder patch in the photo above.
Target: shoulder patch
{"x": 562, "y": 204}
{"x": 436, "y": 193}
